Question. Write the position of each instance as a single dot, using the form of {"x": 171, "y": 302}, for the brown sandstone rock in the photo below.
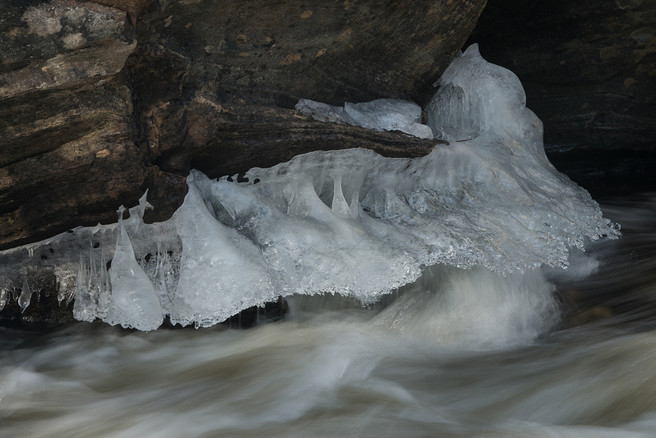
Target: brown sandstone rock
{"x": 67, "y": 153}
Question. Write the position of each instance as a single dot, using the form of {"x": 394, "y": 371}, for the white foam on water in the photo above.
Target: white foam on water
{"x": 474, "y": 310}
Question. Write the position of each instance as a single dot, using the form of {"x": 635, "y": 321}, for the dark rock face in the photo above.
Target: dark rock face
{"x": 589, "y": 70}
{"x": 67, "y": 153}
{"x": 266, "y": 52}
{"x": 100, "y": 101}
{"x": 217, "y": 81}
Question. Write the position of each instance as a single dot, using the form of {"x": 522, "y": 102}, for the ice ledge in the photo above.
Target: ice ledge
{"x": 349, "y": 222}
{"x": 379, "y": 115}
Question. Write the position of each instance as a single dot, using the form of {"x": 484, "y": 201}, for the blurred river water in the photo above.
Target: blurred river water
{"x": 458, "y": 354}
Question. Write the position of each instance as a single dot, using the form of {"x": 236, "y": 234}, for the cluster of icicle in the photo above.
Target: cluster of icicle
{"x": 348, "y": 222}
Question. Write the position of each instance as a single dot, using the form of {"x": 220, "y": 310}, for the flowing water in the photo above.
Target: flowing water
{"x": 460, "y": 353}
{"x": 495, "y": 339}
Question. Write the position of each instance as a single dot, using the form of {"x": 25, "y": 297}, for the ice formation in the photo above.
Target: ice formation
{"x": 478, "y": 98}
{"x": 379, "y": 115}
{"x": 349, "y": 222}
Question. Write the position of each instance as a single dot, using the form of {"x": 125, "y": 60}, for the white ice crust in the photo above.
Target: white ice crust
{"x": 379, "y": 115}
{"x": 349, "y": 222}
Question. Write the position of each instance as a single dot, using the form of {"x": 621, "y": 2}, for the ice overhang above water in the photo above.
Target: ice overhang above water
{"x": 349, "y": 221}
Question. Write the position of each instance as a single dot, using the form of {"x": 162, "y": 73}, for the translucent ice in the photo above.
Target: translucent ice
{"x": 216, "y": 261}
{"x": 133, "y": 301}
{"x": 379, "y": 115}
{"x": 25, "y": 296}
{"x": 349, "y": 221}
{"x": 476, "y": 97}
{"x": 324, "y": 112}
{"x": 4, "y": 294}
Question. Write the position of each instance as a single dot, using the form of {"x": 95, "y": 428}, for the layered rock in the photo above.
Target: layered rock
{"x": 100, "y": 101}
{"x": 65, "y": 117}
{"x": 217, "y": 81}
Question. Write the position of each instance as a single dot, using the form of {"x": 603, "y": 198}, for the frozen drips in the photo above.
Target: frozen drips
{"x": 350, "y": 222}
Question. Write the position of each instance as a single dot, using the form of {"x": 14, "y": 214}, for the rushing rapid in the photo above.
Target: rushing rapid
{"x": 454, "y": 355}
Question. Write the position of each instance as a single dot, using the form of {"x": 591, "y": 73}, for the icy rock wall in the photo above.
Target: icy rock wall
{"x": 349, "y": 222}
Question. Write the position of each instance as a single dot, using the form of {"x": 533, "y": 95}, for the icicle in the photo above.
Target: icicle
{"x": 306, "y": 202}
{"x": 93, "y": 282}
{"x": 84, "y": 308}
{"x": 61, "y": 291}
{"x": 339, "y": 205}
{"x": 160, "y": 278}
{"x": 158, "y": 264}
{"x": 105, "y": 291}
{"x": 215, "y": 260}
{"x": 355, "y": 206}
{"x": 134, "y": 302}
{"x": 356, "y": 185}
{"x": 25, "y": 296}
{"x": 3, "y": 298}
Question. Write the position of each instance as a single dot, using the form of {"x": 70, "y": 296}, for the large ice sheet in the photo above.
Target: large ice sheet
{"x": 349, "y": 222}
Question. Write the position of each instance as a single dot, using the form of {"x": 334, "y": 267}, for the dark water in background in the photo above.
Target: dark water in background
{"x": 459, "y": 354}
